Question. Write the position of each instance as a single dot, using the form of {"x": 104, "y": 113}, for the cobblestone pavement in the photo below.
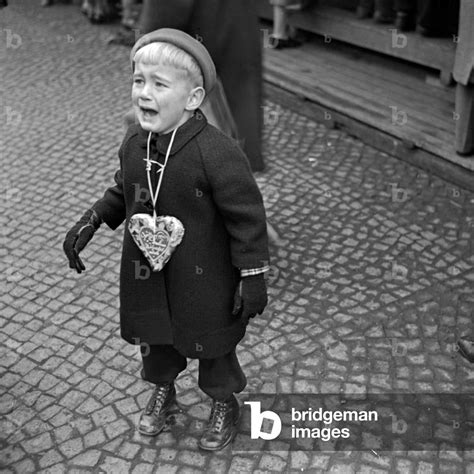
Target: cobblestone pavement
{"x": 368, "y": 293}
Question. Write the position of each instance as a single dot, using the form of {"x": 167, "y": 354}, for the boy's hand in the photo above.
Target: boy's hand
{"x": 78, "y": 237}
{"x": 250, "y": 296}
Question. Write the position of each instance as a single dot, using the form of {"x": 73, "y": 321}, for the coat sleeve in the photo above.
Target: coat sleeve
{"x": 111, "y": 207}
{"x": 239, "y": 201}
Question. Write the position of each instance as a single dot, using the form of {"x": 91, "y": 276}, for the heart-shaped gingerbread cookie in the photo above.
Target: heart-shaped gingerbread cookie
{"x": 157, "y": 237}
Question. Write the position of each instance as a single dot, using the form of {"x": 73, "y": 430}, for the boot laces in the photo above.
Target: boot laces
{"x": 217, "y": 417}
{"x": 157, "y": 399}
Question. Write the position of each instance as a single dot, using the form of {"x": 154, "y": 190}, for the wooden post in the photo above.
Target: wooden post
{"x": 464, "y": 141}
{"x": 464, "y": 75}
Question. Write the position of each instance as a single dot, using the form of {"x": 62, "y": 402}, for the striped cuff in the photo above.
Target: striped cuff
{"x": 254, "y": 271}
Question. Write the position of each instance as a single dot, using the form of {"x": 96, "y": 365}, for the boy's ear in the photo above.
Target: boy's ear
{"x": 195, "y": 98}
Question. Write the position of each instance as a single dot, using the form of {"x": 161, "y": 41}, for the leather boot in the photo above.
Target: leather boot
{"x": 159, "y": 407}
{"x": 384, "y": 12}
{"x": 220, "y": 428}
{"x": 466, "y": 349}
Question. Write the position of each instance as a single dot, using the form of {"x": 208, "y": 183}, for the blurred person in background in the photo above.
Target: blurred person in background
{"x": 429, "y": 17}
{"x": 283, "y": 36}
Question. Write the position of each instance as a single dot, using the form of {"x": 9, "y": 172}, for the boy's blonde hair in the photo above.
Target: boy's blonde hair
{"x": 164, "y": 53}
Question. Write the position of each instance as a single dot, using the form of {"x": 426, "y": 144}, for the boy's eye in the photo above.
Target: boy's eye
{"x": 158, "y": 84}
{"x": 137, "y": 80}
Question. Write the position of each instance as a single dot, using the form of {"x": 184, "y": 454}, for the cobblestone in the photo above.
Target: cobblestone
{"x": 113, "y": 465}
{"x": 72, "y": 447}
{"x": 49, "y": 458}
{"x": 143, "y": 468}
{"x": 367, "y": 293}
{"x": 38, "y": 443}
{"x": 87, "y": 458}
{"x": 116, "y": 428}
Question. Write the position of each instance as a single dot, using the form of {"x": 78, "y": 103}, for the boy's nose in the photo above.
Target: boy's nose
{"x": 145, "y": 92}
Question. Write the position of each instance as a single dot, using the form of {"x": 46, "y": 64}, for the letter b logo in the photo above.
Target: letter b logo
{"x": 256, "y": 421}
{"x": 399, "y": 426}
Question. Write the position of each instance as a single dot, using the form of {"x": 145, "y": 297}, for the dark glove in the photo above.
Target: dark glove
{"x": 250, "y": 296}
{"x": 78, "y": 237}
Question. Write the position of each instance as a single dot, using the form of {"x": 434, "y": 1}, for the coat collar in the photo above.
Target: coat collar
{"x": 185, "y": 133}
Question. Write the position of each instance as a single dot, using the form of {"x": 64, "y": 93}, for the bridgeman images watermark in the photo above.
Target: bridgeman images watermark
{"x": 356, "y": 422}
{"x": 320, "y": 415}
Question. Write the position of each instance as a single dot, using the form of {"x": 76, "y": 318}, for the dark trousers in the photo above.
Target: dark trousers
{"x": 437, "y": 15}
{"x": 219, "y": 378}
{"x": 406, "y": 6}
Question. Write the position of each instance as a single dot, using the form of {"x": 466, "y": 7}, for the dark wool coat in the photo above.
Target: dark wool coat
{"x": 209, "y": 187}
{"x": 230, "y": 31}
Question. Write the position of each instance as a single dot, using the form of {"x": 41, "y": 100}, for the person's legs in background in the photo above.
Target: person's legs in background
{"x": 405, "y": 15}
{"x": 438, "y": 17}
{"x": 365, "y": 9}
{"x": 281, "y": 37}
{"x": 384, "y": 12}
{"x": 129, "y": 14}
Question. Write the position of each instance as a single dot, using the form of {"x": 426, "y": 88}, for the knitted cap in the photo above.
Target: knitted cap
{"x": 185, "y": 42}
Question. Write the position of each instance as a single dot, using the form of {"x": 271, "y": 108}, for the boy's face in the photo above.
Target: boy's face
{"x": 163, "y": 97}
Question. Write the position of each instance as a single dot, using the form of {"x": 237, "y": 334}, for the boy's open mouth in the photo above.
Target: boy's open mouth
{"x": 148, "y": 112}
